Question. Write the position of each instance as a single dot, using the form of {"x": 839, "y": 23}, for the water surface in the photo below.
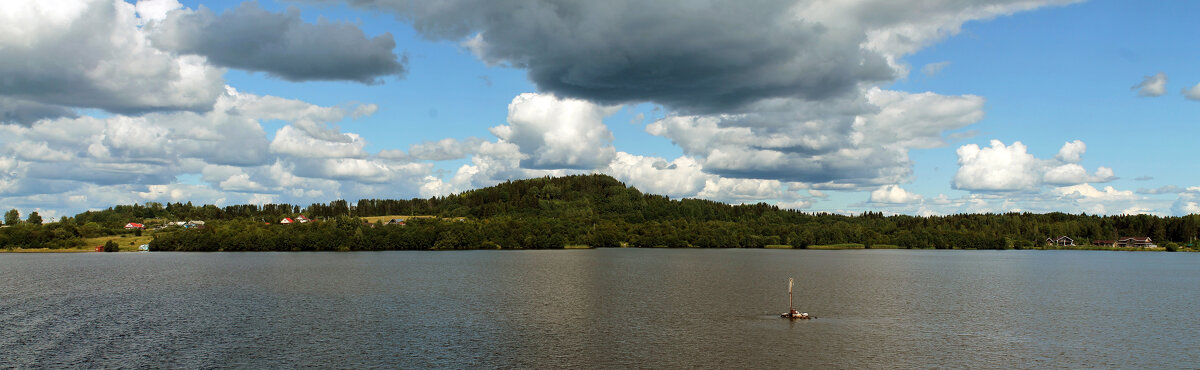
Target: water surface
{"x": 601, "y": 308}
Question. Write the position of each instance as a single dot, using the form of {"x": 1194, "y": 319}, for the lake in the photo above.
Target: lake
{"x": 603, "y": 308}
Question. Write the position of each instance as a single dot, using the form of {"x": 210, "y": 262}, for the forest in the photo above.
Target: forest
{"x": 582, "y": 210}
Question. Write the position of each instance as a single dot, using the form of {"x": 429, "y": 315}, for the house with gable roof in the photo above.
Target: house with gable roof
{"x": 1062, "y": 241}
{"x": 1136, "y": 242}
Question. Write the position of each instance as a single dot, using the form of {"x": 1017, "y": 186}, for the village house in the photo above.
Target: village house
{"x": 302, "y": 219}
{"x": 286, "y": 220}
{"x": 185, "y": 224}
{"x": 134, "y": 225}
{"x": 1062, "y": 241}
{"x": 1135, "y": 242}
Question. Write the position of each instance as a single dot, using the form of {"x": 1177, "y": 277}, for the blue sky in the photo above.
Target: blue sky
{"x": 830, "y": 106}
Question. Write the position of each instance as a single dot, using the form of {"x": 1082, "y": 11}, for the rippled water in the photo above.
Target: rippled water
{"x": 601, "y": 308}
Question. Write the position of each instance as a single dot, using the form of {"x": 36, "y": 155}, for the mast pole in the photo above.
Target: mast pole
{"x": 790, "y": 307}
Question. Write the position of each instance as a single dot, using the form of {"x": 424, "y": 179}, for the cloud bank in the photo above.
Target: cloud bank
{"x": 92, "y": 54}
{"x": 280, "y": 44}
{"x": 697, "y": 57}
{"x": 1003, "y": 167}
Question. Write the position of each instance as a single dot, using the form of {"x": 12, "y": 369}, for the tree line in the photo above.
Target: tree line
{"x": 593, "y": 210}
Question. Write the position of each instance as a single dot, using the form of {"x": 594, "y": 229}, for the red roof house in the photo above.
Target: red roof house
{"x": 134, "y": 225}
{"x": 286, "y": 221}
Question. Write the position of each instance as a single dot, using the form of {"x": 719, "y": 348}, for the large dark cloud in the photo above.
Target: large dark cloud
{"x": 698, "y": 56}
{"x": 26, "y": 113}
{"x": 281, "y": 44}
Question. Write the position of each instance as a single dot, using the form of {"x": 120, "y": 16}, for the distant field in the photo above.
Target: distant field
{"x": 127, "y": 243}
{"x": 778, "y": 246}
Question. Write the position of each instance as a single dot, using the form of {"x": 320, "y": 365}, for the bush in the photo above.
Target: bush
{"x": 1172, "y": 247}
{"x": 111, "y": 246}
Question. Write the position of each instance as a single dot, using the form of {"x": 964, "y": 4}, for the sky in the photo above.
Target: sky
{"x": 845, "y": 106}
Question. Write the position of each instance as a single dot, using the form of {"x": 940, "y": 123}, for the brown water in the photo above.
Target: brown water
{"x": 616, "y": 308}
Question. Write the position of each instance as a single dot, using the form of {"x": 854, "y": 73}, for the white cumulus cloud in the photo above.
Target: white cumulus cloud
{"x": 295, "y": 142}
{"x": 556, "y": 133}
{"x": 893, "y": 194}
{"x": 1088, "y": 192}
{"x": 998, "y": 167}
{"x": 1001, "y": 167}
{"x": 1072, "y": 152}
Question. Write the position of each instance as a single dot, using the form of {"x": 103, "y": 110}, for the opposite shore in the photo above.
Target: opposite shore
{"x": 574, "y": 212}
{"x": 845, "y": 246}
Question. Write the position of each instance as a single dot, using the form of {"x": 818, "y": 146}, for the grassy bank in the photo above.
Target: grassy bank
{"x": 48, "y": 250}
{"x": 127, "y": 243}
{"x": 838, "y": 246}
{"x": 1108, "y": 248}
{"x": 886, "y": 246}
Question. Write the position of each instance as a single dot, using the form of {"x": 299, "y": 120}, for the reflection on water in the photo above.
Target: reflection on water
{"x": 600, "y": 308}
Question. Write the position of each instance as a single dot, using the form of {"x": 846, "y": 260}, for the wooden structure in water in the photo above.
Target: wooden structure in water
{"x": 792, "y": 314}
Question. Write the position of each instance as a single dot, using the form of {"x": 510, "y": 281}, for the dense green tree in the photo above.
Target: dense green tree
{"x": 34, "y": 218}
{"x": 12, "y": 217}
{"x": 111, "y": 246}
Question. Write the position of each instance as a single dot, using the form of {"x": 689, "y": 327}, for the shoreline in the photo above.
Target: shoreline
{"x": 848, "y": 246}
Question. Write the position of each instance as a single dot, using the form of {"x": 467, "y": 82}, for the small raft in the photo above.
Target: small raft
{"x": 796, "y": 315}
{"x": 792, "y": 313}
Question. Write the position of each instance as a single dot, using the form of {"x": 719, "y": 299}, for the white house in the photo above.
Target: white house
{"x": 1062, "y": 241}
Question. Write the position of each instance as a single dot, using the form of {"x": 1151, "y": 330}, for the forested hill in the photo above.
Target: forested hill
{"x": 589, "y": 196}
{"x": 599, "y": 211}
